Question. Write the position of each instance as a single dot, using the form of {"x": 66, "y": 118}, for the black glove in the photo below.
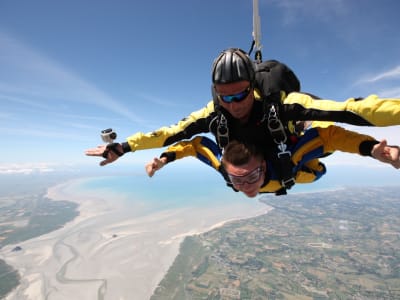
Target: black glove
{"x": 113, "y": 147}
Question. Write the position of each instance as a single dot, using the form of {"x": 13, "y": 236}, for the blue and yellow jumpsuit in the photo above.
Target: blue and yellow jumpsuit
{"x": 313, "y": 144}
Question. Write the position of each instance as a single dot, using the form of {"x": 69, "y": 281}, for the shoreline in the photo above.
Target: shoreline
{"x": 108, "y": 253}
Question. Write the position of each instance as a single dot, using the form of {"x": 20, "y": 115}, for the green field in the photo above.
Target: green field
{"x": 333, "y": 245}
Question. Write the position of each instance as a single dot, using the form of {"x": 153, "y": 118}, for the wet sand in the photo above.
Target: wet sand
{"x": 105, "y": 253}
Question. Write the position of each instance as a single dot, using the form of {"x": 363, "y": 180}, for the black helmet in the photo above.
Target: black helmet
{"x": 232, "y": 65}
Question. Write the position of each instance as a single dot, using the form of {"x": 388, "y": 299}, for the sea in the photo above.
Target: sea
{"x": 168, "y": 189}
{"x": 202, "y": 186}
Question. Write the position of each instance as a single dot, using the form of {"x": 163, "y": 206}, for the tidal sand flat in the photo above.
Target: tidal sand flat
{"x": 118, "y": 247}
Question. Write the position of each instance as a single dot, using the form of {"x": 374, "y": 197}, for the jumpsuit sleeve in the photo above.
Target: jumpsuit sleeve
{"x": 196, "y": 122}
{"x": 200, "y": 147}
{"x": 318, "y": 142}
{"x": 336, "y": 138}
{"x": 180, "y": 150}
{"x": 370, "y": 111}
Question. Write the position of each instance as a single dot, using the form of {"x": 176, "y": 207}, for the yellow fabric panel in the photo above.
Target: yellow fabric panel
{"x": 304, "y": 177}
{"x": 321, "y": 124}
{"x": 207, "y": 153}
{"x": 306, "y": 148}
{"x": 271, "y": 187}
{"x": 183, "y": 149}
{"x": 314, "y": 165}
{"x": 274, "y": 185}
{"x": 377, "y": 111}
{"x": 192, "y": 148}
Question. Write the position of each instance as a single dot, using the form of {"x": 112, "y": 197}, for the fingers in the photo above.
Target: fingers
{"x": 383, "y": 144}
{"x": 98, "y": 151}
{"x": 394, "y": 153}
{"x": 380, "y": 147}
{"x": 105, "y": 162}
{"x": 387, "y": 154}
{"x": 150, "y": 169}
{"x": 155, "y": 165}
{"x": 110, "y": 156}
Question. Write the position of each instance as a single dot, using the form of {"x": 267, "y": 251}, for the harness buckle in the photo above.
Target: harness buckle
{"x": 288, "y": 183}
{"x": 283, "y": 151}
{"x": 276, "y": 127}
{"x": 223, "y": 131}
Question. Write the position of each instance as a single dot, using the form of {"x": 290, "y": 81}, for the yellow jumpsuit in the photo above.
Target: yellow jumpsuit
{"x": 371, "y": 111}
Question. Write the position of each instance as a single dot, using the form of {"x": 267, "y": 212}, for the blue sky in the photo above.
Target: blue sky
{"x": 69, "y": 69}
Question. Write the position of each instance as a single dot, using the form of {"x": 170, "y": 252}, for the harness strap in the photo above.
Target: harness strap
{"x": 222, "y": 131}
{"x": 286, "y": 167}
{"x": 283, "y": 155}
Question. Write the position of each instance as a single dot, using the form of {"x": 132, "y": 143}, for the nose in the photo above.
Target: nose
{"x": 247, "y": 186}
{"x": 232, "y": 104}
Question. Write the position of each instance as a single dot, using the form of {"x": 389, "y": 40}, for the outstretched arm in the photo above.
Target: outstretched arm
{"x": 197, "y": 122}
{"x": 370, "y": 111}
{"x": 387, "y": 154}
{"x": 200, "y": 147}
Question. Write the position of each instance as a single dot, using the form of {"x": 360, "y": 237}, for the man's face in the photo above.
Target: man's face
{"x": 247, "y": 178}
{"x": 238, "y": 98}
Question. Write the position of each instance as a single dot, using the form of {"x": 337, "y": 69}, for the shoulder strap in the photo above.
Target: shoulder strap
{"x": 272, "y": 77}
{"x": 222, "y": 132}
{"x": 282, "y": 157}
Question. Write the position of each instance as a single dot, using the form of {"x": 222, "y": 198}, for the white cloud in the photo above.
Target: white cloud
{"x": 385, "y": 84}
{"x": 390, "y": 74}
{"x": 28, "y": 77}
{"x": 295, "y": 10}
{"x": 26, "y": 168}
{"x": 44, "y": 132}
{"x": 158, "y": 101}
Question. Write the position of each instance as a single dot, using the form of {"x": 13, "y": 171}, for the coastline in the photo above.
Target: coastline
{"x": 110, "y": 252}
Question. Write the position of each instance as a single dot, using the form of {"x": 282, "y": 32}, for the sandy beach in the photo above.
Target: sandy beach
{"x": 106, "y": 253}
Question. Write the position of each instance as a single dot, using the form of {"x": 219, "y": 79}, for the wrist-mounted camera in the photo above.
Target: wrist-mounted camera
{"x": 108, "y": 135}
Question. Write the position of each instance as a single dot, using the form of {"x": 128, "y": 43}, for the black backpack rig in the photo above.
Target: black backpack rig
{"x": 271, "y": 78}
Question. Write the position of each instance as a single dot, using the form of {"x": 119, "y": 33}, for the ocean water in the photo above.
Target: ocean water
{"x": 180, "y": 187}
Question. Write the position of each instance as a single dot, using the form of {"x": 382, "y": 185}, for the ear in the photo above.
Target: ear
{"x": 264, "y": 165}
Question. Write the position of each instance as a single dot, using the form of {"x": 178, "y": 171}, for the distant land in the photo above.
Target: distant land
{"x": 26, "y": 213}
{"x": 339, "y": 244}
{"x": 324, "y": 245}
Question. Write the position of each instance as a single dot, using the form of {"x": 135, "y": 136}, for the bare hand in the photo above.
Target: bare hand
{"x": 102, "y": 151}
{"x": 155, "y": 165}
{"x": 387, "y": 154}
